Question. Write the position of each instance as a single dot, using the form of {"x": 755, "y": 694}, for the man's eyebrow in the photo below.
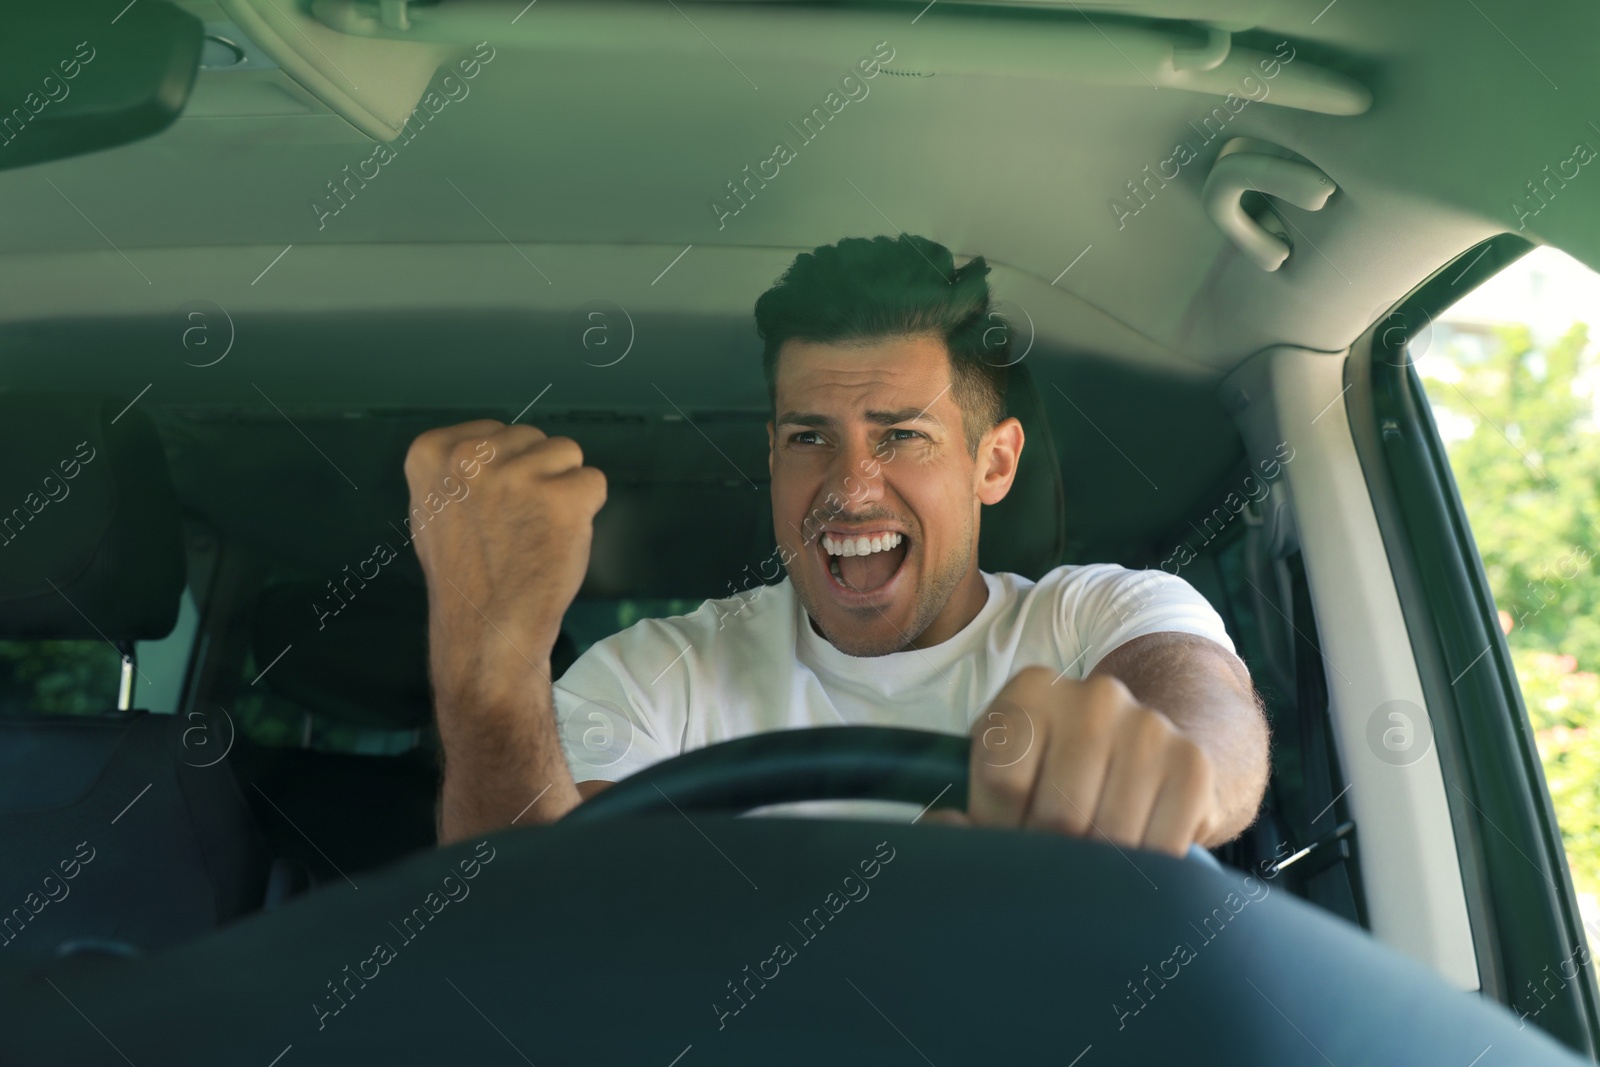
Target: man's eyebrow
{"x": 801, "y": 418}
{"x": 880, "y": 418}
{"x": 894, "y": 418}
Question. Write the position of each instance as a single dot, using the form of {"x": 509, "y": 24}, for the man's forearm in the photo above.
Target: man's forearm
{"x": 503, "y": 762}
{"x": 1207, "y": 695}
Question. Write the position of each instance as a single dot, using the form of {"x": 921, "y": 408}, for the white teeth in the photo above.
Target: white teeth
{"x": 861, "y": 546}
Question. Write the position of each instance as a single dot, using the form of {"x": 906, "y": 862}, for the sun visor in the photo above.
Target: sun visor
{"x": 1054, "y": 45}
{"x": 374, "y": 84}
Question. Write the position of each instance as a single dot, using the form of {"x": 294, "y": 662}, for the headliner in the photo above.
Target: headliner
{"x": 599, "y": 163}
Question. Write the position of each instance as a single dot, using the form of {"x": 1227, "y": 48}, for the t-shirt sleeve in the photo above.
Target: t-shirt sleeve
{"x": 612, "y": 721}
{"x": 1112, "y": 605}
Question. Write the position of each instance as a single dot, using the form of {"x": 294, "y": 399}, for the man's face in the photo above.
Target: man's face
{"x": 868, "y": 447}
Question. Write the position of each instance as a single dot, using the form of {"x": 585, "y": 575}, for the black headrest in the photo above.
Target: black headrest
{"x": 90, "y": 541}
{"x": 1026, "y": 533}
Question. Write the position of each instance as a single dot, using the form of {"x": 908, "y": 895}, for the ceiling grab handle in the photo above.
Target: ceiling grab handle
{"x": 1237, "y": 173}
{"x": 1207, "y": 56}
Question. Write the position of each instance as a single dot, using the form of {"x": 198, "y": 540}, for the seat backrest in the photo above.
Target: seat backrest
{"x": 361, "y": 763}
{"x": 114, "y": 826}
{"x": 109, "y": 836}
{"x": 360, "y": 650}
{"x": 355, "y": 691}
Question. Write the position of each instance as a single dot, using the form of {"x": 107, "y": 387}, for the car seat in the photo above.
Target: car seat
{"x": 116, "y": 833}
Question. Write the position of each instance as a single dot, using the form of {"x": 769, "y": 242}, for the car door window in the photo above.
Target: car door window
{"x": 58, "y": 677}
{"x": 1510, "y": 373}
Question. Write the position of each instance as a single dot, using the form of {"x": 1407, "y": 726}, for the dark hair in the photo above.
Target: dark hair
{"x": 862, "y": 290}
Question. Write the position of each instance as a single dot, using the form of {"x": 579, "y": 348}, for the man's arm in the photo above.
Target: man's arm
{"x": 1162, "y": 746}
{"x": 502, "y": 755}
{"x": 502, "y": 520}
{"x": 1207, "y": 693}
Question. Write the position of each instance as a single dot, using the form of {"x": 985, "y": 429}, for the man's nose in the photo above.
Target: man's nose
{"x": 856, "y": 475}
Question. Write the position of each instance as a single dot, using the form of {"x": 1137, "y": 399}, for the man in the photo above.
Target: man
{"x": 1103, "y": 702}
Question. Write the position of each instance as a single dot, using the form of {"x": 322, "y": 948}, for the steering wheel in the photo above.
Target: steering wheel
{"x": 816, "y": 763}
{"x": 819, "y": 763}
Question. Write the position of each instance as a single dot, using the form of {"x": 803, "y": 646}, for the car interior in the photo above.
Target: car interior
{"x": 213, "y": 634}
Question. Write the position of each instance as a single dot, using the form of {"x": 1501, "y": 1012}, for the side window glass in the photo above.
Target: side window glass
{"x": 1510, "y": 372}
{"x": 587, "y": 621}
{"x": 58, "y": 678}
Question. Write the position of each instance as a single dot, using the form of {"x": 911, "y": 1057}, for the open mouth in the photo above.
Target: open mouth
{"x": 865, "y": 561}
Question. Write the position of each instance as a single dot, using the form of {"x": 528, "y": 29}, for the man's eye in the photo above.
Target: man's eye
{"x": 912, "y": 433}
{"x": 806, "y": 437}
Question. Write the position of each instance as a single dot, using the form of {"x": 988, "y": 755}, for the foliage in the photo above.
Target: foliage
{"x": 1562, "y": 703}
{"x": 58, "y": 677}
{"x": 1528, "y": 473}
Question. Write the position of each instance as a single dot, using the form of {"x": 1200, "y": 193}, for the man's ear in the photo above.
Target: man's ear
{"x": 998, "y": 454}
{"x": 772, "y": 440}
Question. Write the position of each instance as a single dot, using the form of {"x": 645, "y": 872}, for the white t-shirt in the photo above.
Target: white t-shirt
{"x": 750, "y": 664}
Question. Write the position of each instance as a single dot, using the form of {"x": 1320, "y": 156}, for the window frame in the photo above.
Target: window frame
{"x": 1523, "y": 921}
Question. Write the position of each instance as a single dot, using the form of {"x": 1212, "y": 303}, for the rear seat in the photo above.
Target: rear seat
{"x": 362, "y": 771}
{"x": 362, "y": 775}
{"x": 113, "y": 838}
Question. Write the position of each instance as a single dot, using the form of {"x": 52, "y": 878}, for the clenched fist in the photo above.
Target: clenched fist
{"x": 505, "y": 561}
{"x": 1084, "y": 758}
